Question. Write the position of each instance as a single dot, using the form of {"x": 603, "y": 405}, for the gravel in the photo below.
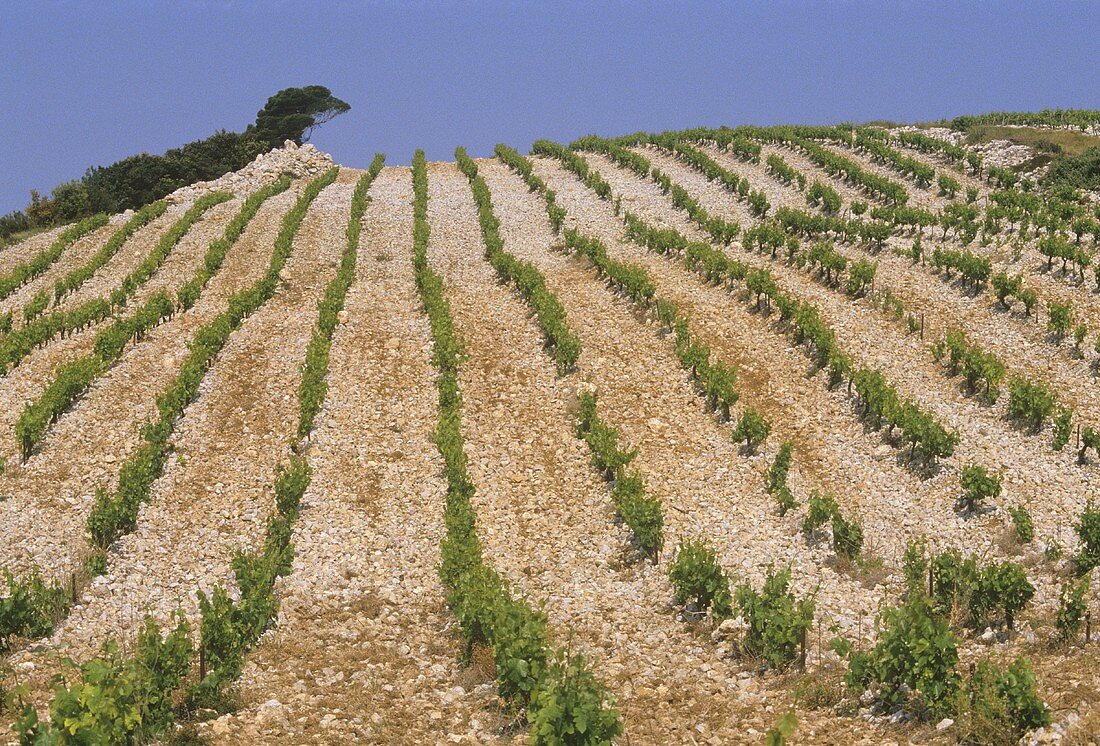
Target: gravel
{"x": 365, "y": 649}
{"x": 215, "y": 496}
{"x": 361, "y": 651}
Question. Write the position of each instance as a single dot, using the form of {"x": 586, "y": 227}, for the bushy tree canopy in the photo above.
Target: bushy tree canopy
{"x": 293, "y": 113}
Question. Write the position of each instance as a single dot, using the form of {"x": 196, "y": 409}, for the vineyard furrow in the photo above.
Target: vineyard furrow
{"x": 48, "y": 500}
{"x": 802, "y": 163}
{"x": 926, "y": 198}
{"x": 544, "y": 514}
{"x": 740, "y": 434}
{"x": 723, "y": 318}
{"x": 1020, "y": 343}
{"x": 81, "y": 251}
{"x": 756, "y": 174}
{"x": 43, "y": 260}
{"x": 25, "y": 250}
{"x": 1060, "y": 359}
{"x": 105, "y": 277}
{"x": 683, "y": 451}
{"x": 1067, "y": 372}
{"x": 1029, "y": 471}
{"x": 213, "y": 497}
{"x": 941, "y": 164}
{"x": 27, "y": 381}
{"x": 45, "y": 324}
{"x": 830, "y": 443}
{"x": 646, "y": 386}
{"x": 363, "y": 611}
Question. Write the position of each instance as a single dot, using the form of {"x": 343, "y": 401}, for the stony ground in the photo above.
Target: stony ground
{"x": 364, "y": 648}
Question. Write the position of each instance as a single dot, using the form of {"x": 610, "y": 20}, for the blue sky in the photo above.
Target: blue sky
{"x": 90, "y": 82}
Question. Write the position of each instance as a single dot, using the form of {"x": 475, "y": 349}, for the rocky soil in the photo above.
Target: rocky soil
{"x": 363, "y": 651}
{"x": 298, "y": 162}
{"x": 364, "y": 648}
{"x": 214, "y": 497}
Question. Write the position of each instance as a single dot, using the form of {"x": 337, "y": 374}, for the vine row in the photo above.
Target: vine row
{"x": 71, "y": 282}
{"x": 116, "y": 514}
{"x": 776, "y": 619}
{"x": 925, "y": 436}
{"x": 39, "y": 329}
{"x": 975, "y": 271}
{"x": 232, "y": 627}
{"x": 144, "y": 685}
{"x": 313, "y": 389}
{"x": 526, "y": 278}
{"x": 43, "y": 260}
{"x": 73, "y": 378}
{"x": 563, "y": 699}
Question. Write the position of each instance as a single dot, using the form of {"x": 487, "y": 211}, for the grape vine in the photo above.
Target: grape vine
{"x": 116, "y": 513}
{"x": 926, "y": 438}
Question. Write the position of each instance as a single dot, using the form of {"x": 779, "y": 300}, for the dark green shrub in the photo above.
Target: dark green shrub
{"x": 1090, "y": 439}
{"x": 914, "y": 565}
{"x": 785, "y": 500}
{"x": 785, "y": 727}
{"x": 861, "y": 276}
{"x": 641, "y": 512}
{"x": 953, "y": 579}
{"x": 949, "y": 187}
{"x": 780, "y": 468}
{"x": 777, "y": 478}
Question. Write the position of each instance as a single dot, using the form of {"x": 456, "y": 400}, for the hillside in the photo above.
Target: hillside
{"x": 669, "y": 435}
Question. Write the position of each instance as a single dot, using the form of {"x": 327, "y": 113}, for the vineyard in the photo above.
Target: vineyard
{"x": 738, "y": 435}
